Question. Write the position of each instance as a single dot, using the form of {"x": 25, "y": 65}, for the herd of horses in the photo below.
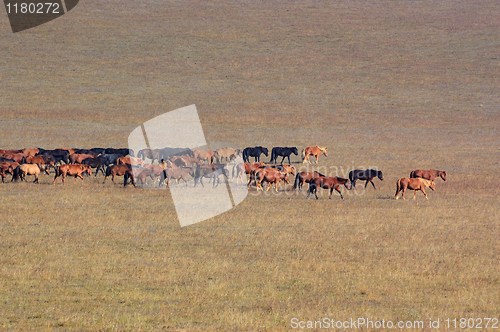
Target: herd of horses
{"x": 164, "y": 165}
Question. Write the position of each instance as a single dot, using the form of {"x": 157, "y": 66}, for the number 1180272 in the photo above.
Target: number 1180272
{"x": 33, "y": 8}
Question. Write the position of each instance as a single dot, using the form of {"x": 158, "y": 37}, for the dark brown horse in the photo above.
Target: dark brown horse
{"x": 115, "y": 170}
{"x": 315, "y": 151}
{"x": 413, "y": 184}
{"x": 429, "y": 174}
{"x": 305, "y": 177}
{"x": 328, "y": 183}
{"x": 72, "y": 170}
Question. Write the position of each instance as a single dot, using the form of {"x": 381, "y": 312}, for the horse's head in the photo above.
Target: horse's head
{"x": 45, "y": 169}
{"x": 380, "y": 175}
{"x": 295, "y": 151}
{"x": 265, "y": 151}
{"x": 88, "y": 170}
{"x": 348, "y": 185}
{"x": 286, "y": 178}
{"x": 443, "y": 175}
{"x": 431, "y": 185}
{"x": 325, "y": 152}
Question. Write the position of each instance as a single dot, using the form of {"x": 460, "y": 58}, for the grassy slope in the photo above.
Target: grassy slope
{"x": 398, "y": 87}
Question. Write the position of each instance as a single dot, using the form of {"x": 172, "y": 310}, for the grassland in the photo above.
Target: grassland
{"x": 395, "y": 85}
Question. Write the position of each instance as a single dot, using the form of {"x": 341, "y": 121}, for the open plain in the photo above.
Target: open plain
{"x": 392, "y": 85}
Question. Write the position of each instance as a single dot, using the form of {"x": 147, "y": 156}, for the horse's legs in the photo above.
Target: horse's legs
{"x": 81, "y": 177}
{"x": 36, "y": 179}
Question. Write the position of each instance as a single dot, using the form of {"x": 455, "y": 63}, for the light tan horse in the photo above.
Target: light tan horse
{"x": 204, "y": 155}
{"x": 315, "y": 151}
{"x": 413, "y": 184}
{"x": 31, "y": 169}
{"x": 228, "y": 153}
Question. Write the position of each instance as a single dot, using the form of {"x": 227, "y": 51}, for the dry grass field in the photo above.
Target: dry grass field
{"x": 396, "y": 85}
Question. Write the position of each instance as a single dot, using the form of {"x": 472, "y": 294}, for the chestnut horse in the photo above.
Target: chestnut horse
{"x": 76, "y": 158}
{"x": 270, "y": 175}
{"x": 115, "y": 170}
{"x": 413, "y": 184}
{"x": 315, "y": 151}
{"x": 328, "y": 183}
{"x": 429, "y": 174}
{"x": 75, "y": 170}
{"x": 305, "y": 177}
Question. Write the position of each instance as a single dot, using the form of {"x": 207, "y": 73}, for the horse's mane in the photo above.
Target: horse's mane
{"x": 319, "y": 174}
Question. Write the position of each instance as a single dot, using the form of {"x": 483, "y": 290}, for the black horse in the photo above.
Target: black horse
{"x": 254, "y": 152}
{"x": 169, "y": 152}
{"x": 98, "y": 163}
{"x": 284, "y": 152}
{"x": 367, "y": 175}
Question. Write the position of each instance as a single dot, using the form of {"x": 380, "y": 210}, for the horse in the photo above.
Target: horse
{"x": 254, "y": 152}
{"x": 204, "y": 155}
{"x": 75, "y": 170}
{"x": 429, "y": 174}
{"x": 98, "y": 163}
{"x": 87, "y": 151}
{"x": 213, "y": 171}
{"x": 177, "y": 173}
{"x": 7, "y": 168}
{"x": 115, "y": 170}
{"x": 28, "y": 169}
{"x": 328, "y": 183}
{"x": 167, "y": 152}
{"x": 413, "y": 184}
{"x": 315, "y": 151}
{"x": 229, "y": 153}
{"x": 270, "y": 175}
{"x": 30, "y": 152}
{"x": 19, "y": 157}
{"x": 76, "y": 158}
{"x": 367, "y": 175}
{"x": 129, "y": 160}
{"x": 284, "y": 152}
{"x": 122, "y": 152}
{"x": 289, "y": 169}
{"x": 153, "y": 154}
{"x": 305, "y": 177}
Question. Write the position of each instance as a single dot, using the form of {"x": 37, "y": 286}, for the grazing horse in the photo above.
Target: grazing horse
{"x": 204, "y": 155}
{"x": 328, "y": 183}
{"x": 269, "y": 175}
{"x": 153, "y": 154}
{"x": 254, "y": 152}
{"x": 367, "y": 175}
{"x": 305, "y": 177}
{"x": 413, "y": 184}
{"x": 115, "y": 170}
{"x": 315, "y": 151}
{"x": 29, "y": 169}
{"x": 75, "y": 170}
{"x": 283, "y": 152}
{"x": 429, "y": 174}
{"x": 228, "y": 153}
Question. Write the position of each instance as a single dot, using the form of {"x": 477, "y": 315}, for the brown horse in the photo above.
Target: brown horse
{"x": 19, "y": 157}
{"x": 7, "y": 167}
{"x": 328, "y": 183}
{"x": 413, "y": 184}
{"x": 228, "y": 153}
{"x": 129, "y": 160}
{"x": 305, "y": 177}
{"x": 177, "y": 173}
{"x": 153, "y": 154}
{"x": 115, "y": 170}
{"x": 30, "y": 152}
{"x": 72, "y": 170}
{"x": 29, "y": 169}
{"x": 269, "y": 175}
{"x": 78, "y": 158}
{"x": 429, "y": 174}
{"x": 315, "y": 151}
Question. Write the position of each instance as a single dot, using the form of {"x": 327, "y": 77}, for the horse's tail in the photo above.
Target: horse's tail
{"x": 15, "y": 176}
{"x": 108, "y": 171}
{"x": 412, "y": 174}
{"x": 303, "y": 153}
{"x": 296, "y": 184}
{"x": 398, "y": 187}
